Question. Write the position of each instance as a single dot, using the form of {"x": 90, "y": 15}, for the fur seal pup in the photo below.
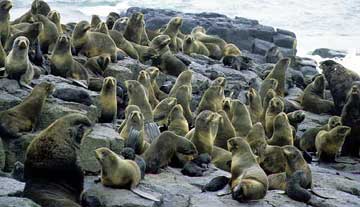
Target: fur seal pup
{"x": 55, "y": 17}
{"x": 47, "y": 36}
{"x": 278, "y": 73}
{"x": 177, "y": 121}
{"x": 190, "y": 45}
{"x": 165, "y": 60}
{"x": 98, "y": 64}
{"x": 121, "y": 24}
{"x": 52, "y": 174}
{"x": 255, "y": 105}
{"x": 212, "y": 99}
{"x": 117, "y": 172}
{"x": 183, "y": 96}
{"x": 199, "y": 33}
{"x": 17, "y": 63}
{"x": 276, "y": 106}
{"x": 5, "y": 7}
{"x": 62, "y": 62}
{"x": 154, "y": 73}
{"x": 184, "y": 78}
{"x": 23, "y": 117}
{"x": 145, "y": 80}
{"x": 197, "y": 166}
{"x": 329, "y": 143}
{"x": 282, "y": 134}
{"x": 248, "y": 180}
{"x": 129, "y": 154}
{"x": 133, "y": 132}
{"x": 93, "y": 43}
{"x": 295, "y": 118}
{"x": 172, "y": 29}
{"x": 125, "y": 45}
{"x": 240, "y": 118}
{"x": 350, "y": 117}
{"x": 135, "y": 29}
{"x": 206, "y": 129}
{"x": 162, "y": 111}
{"x": 313, "y": 98}
{"x": 108, "y": 101}
{"x": 225, "y": 132}
{"x": 163, "y": 148}
{"x": 307, "y": 141}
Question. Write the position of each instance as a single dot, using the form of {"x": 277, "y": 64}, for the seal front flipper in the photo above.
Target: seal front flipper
{"x": 144, "y": 195}
{"x": 216, "y": 184}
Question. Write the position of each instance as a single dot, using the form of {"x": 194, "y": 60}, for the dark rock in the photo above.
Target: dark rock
{"x": 273, "y": 55}
{"x": 261, "y": 46}
{"x": 285, "y": 41}
{"x": 329, "y": 53}
{"x": 17, "y": 202}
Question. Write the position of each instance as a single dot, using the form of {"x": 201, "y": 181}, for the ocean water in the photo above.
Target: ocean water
{"x": 331, "y": 24}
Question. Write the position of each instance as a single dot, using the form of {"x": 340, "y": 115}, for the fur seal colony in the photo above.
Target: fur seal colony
{"x": 256, "y": 140}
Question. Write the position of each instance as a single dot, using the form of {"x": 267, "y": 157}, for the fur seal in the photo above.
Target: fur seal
{"x": 206, "y": 129}
{"x": 55, "y": 17}
{"x": 177, "y": 121}
{"x": 5, "y": 7}
{"x": 240, "y": 118}
{"x": 215, "y": 51}
{"x": 108, "y": 101}
{"x": 93, "y": 43}
{"x": 17, "y": 63}
{"x": 184, "y": 78}
{"x": 111, "y": 19}
{"x": 172, "y": 29}
{"x": 154, "y": 73}
{"x": 248, "y": 179}
{"x": 227, "y": 106}
{"x": 255, "y": 105}
{"x": 199, "y": 33}
{"x": 190, "y": 45}
{"x": 102, "y": 28}
{"x": 278, "y": 73}
{"x": 282, "y": 134}
{"x": 350, "y": 117}
{"x": 212, "y": 99}
{"x": 117, "y": 172}
{"x": 2, "y": 56}
{"x": 307, "y": 141}
{"x": 313, "y": 98}
{"x": 129, "y": 154}
{"x": 125, "y": 45}
{"x": 329, "y": 143}
{"x": 62, "y": 62}
{"x": 128, "y": 110}
{"x": 52, "y": 174}
{"x": 145, "y": 80}
{"x": 95, "y": 21}
{"x": 221, "y": 158}
{"x": 183, "y": 96}
{"x": 163, "y": 148}
{"x": 225, "y": 132}
{"x": 47, "y": 36}
{"x": 231, "y": 50}
{"x": 197, "y": 166}
{"x": 162, "y": 111}
{"x": 37, "y": 7}
{"x": 267, "y": 84}
{"x": 23, "y": 117}
{"x": 145, "y": 53}
{"x": 276, "y": 106}
{"x": 135, "y": 29}
{"x": 121, "y": 24}
{"x": 98, "y": 64}
{"x": 133, "y": 132}
{"x": 295, "y": 118}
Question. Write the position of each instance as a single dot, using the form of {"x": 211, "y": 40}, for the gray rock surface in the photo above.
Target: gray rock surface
{"x": 9, "y": 187}
{"x": 17, "y": 202}
{"x": 329, "y": 53}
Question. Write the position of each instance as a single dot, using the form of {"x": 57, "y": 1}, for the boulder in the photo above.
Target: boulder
{"x": 10, "y": 187}
{"x": 329, "y": 53}
{"x": 17, "y": 202}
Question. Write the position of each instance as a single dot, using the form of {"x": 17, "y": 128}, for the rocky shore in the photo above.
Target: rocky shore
{"x": 261, "y": 46}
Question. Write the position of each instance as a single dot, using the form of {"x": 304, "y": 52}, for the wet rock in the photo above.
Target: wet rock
{"x": 9, "y": 187}
{"x": 17, "y": 202}
{"x": 2, "y": 155}
{"x": 262, "y": 46}
{"x": 285, "y": 41}
{"x": 102, "y": 135}
{"x": 329, "y": 53}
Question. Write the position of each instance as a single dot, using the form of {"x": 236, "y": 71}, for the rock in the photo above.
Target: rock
{"x": 273, "y": 55}
{"x": 121, "y": 73}
{"x": 2, "y": 155}
{"x": 329, "y": 53}
{"x": 261, "y": 46}
{"x": 102, "y": 135}
{"x": 285, "y": 41}
{"x": 72, "y": 93}
{"x": 263, "y": 32}
{"x": 311, "y": 120}
{"x": 17, "y": 202}
{"x": 286, "y": 32}
{"x": 9, "y": 187}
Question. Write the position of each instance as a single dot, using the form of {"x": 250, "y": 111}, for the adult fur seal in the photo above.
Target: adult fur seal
{"x": 313, "y": 98}
{"x": 184, "y": 78}
{"x": 255, "y": 105}
{"x": 98, "y": 64}
{"x": 108, "y": 101}
{"x": 163, "y": 148}
{"x": 248, "y": 180}
{"x": 52, "y": 174}
{"x": 145, "y": 80}
{"x": 49, "y": 35}
{"x": 282, "y": 133}
{"x": 154, "y": 73}
{"x": 135, "y": 30}
{"x": 183, "y": 97}
{"x": 226, "y": 131}
{"x": 172, "y": 29}
{"x": 200, "y": 34}
{"x": 275, "y": 107}
{"x": 93, "y": 43}
{"x": 240, "y": 118}
{"x": 17, "y": 63}
{"x": 162, "y": 111}
{"x": 190, "y": 46}
{"x": 23, "y": 117}
{"x": 117, "y": 172}
{"x": 5, "y": 7}
{"x": 278, "y": 73}
{"x": 177, "y": 121}
{"x": 329, "y": 143}
{"x": 212, "y": 99}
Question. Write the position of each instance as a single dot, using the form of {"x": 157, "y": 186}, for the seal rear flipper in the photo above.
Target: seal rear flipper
{"x": 295, "y": 189}
{"x": 144, "y": 195}
{"x": 216, "y": 184}
{"x": 23, "y": 84}
{"x": 152, "y": 131}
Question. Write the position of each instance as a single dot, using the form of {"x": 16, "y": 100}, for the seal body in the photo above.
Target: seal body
{"x": 108, "y": 102}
